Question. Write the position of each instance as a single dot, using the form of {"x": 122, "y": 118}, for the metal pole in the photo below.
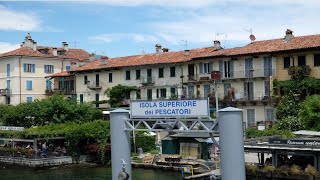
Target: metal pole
{"x": 120, "y": 145}
{"x": 231, "y": 144}
{"x": 216, "y": 96}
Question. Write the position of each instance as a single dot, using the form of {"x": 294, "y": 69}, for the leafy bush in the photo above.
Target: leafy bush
{"x": 292, "y": 123}
{"x": 253, "y": 133}
{"x": 55, "y": 109}
{"x": 144, "y": 141}
{"x": 309, "y": 112}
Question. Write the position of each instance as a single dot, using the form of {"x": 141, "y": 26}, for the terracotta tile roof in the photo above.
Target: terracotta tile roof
{"x": 257, "y": 47}
{"x": 78, "y": 54}
{"x": 61, "y": 74}
{"x": 278, "y": 45}
{"x": 140, "y": 60}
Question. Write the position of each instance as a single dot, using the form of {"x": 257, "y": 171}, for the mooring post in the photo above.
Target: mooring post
{"x": 120, "y": 145}
{"x": 231, "y": 144}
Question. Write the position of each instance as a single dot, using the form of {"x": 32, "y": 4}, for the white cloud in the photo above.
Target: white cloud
{"x": 267, "y": 22}
{"x": 6, "y": 47}
{"x": 20, "y": 21}
{"x": 107, "y": 38}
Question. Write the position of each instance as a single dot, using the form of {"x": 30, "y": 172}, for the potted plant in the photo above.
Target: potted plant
{"x": 310, "y": 171}
{"x": 268, "y": 169}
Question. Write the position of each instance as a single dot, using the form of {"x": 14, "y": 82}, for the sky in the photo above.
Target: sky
{"x": 128, "y": 27}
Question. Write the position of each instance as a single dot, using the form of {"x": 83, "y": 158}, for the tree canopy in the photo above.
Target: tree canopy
{"x": 54, "y": 109}
{"x": 118, "y": 93}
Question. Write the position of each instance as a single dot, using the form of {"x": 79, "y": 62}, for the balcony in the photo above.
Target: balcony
{"x": 93, "y": 85}
{"x": 247, "y": 74}
{"x": 242, "y": 99}
{"x": 299, "y": 70}
{"x": 147, "y": 80}
{"x": 191, "y": 78}
{"x": 50, "y": 92}
{"x": 5, "y": 92}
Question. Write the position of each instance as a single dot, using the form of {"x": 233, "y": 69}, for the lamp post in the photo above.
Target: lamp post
{"x": 215, "y": 76}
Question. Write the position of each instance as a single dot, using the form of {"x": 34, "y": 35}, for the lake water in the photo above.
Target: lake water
{"x": 84, "y": 173}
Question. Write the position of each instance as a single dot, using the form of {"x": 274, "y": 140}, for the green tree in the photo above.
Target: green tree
{"x": 288, "y": 106}
{"x": 309, "y": 112}
{"x": 118, "y": 93}
{"x": 55, "y": 109}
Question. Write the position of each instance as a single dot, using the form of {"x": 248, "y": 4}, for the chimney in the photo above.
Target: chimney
{"x": 186, "y": 52}
{"x": 34, "y": 46}
{"x": 73, "y": 65}
{"x": 165, "y": 49}
{"x": 65, "y": 46}
{"x": 158, "y": 48}
{"x": 92, "y": 57}
{"x": 216, "y": 44}
{"x": 55, "y": 51}
{"x": 288, "y": 36}
{"x": 104, "y": 60}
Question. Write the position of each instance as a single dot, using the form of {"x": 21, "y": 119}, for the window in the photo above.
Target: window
{"x": 267, "y": 89}
{"x": 48, "y": 68}
{"x": 68, "y": 68}
{"x": 29, "y": 85}
{"x": 138, "y": 94}
{"x": 8, "y": 70}
{"x": 267, "y": 65}
{"x": 173, "y": 91}
{"x": 226, "y": 69}
{"x": 127, "y": 75}
{"x": 138, "y": 73}
{"x": 48, "y": 85}
{"x": 29, "y": 68}
{"x": 206, "y": 68}
{"x": 316, "y": 60}
{"x": 226, "y": 88}
{"x": 97, "y": 100}
{"x": 97, "y": 80}
{"x": 85, "y": 79}
{"x": 172, "y": 71}
{"x": 29, "y": 99}
{"x": 110, "y": 77}
{"x": 149, "y": 94}
{"x": 206, "y": 89}
{"x": 163, "y": 93}
{"x": 81, "y": 98}
{"x": 251, "y": 117}
{"x": 286, "y": 62}
{"x": 160, "y": 72}
{"x": 301, "y": 60}
{"x": 269, "y": 114}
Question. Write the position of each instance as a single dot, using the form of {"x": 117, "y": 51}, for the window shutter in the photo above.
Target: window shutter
{"x": 221, "y": 68}
{"x": 24, "y": 67}
{"x": 52, "y": 68}
{"x": 231, "y": 66}
{"x": 201, "y": 68}
{"x": 8, "y": 70}
{"x": 44, "y": 69}
{"x": 33, "y": 68}
{"x": 30, "y": 85}
{"x": 210, "y": 67}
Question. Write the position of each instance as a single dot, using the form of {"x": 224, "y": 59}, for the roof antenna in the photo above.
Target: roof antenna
{"x": 185, "y": 44}
{"x": 74, "y": 44}
{"x": 218, "y": 34}
{"x": 252, "y": 37}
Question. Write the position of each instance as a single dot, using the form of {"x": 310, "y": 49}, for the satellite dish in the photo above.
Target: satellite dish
{"x": 252, "y": 37}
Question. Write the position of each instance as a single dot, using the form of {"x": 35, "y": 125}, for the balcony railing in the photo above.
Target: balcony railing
{"x": 299, "y": 70}
{"x": 147, "y": 80}
{"x": 251, "y": 73}
{"x": 93, "y": 85}
{"x": 5, "y": 92}
{"x": 49, "y": 92}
